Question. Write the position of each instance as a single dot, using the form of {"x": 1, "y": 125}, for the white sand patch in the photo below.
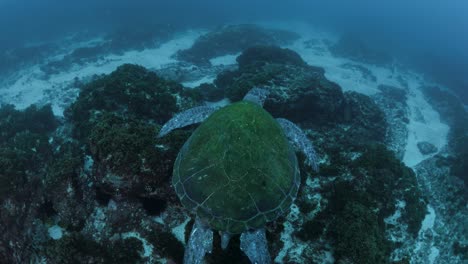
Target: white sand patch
{"x": 158, "y": 57}
{"x": 224, "y": 60}
{"x": 55, "y": 232}
{"x": 147, "y": 247}
{"x": 291, "y": 247}
{"x": 424, "y": 125}
{"x": 429, "y": 219}
{"x": 433, "y": 255}
{"x": 179, "y": 231}
{"x": 393, "y": 219}
{"x": 31, "y": 87}
{"x": 205, "y": 79}
{"x": 425, "y": 242}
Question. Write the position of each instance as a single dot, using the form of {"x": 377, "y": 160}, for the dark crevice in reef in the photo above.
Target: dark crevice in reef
{"x": 102, "y": 196}
{"x": 153, "y": 205}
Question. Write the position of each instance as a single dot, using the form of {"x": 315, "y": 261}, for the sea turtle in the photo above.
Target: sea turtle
{"x": 236, "y": 172}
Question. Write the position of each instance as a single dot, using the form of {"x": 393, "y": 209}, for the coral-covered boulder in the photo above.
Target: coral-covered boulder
{"x": 364, "y": 120}
{"x": 260, "y": 55}
{"x": 231, "y": 40}
{"x": 129, "y": 159}
{"x": 299, "y": 92}
{"x": 132, "y": 91}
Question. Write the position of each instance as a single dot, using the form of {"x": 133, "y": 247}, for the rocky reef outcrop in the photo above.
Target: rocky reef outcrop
{"x": 231, "y": 40}
{"x": 392, "y": 101}
{"x": 94, "y": 186}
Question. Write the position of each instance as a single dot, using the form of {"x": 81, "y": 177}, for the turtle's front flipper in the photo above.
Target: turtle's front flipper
{"x": 254, "y": 245}
{"x": 257, "y": 95}
{"x": 200, "y": 242}
{"x": 300, "y": 141}
{"x": 188, "y": 117}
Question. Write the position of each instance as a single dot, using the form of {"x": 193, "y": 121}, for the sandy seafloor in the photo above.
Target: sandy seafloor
{"x": 29, "y": 86}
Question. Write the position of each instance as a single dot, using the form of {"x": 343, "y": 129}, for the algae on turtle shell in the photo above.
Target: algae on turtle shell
{"x": 237, "y": 171}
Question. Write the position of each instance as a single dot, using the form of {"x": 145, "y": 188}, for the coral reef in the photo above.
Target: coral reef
{"x": 77, "y": 248}
{"x": 426, "y": 148}
{"x": 95, "y": 186}
{"x": 130, "y": 91}
{"x": 25, "y": 152}
{"x": 298, "y": 91}
{"x": 125, "y": 156}
{"x": 357, "y": 197}
{"x": 392, "y": 102}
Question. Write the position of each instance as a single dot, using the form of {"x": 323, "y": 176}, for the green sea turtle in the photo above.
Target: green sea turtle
{"x": 236, "y": 172}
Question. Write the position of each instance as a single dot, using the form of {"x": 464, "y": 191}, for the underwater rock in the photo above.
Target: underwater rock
{"x": 446, "y": 193}
{"x": 184, "y": 72}
{"x": 354, "y": 203}
{"x": 126, "y": 159}
{"x": 25, "y": 152}
{"x": 47, "y": 181}
{"x": 24, "y": 145}
{"x": 344, "y": 206}
{"x": 210, "y": 92}
{"x": 130, "y": 91}
{"x": 392, "y": 102}
{"x": 303, "y": 94}
{"x": 426, "y": 148}
{"x": 77, "y": 248}
{"x": 298, "y": 91}
{"x": 263, "y": 54}
{"x": 67, "y": 187}
{"x": 366, "y": 122}
{"x": 231, "y": 40}
{"x": 453, "y": 113}
{"x": 121, "y": 208}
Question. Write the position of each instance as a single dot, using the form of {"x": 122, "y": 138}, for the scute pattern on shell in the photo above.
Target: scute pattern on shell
{"x": 237, "y": 171}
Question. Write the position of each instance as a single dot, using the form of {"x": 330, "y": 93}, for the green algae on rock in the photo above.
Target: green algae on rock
{"x": 126, "y": 160}
{"x": 298, "y": 91}
{"x": 131, "y": 91}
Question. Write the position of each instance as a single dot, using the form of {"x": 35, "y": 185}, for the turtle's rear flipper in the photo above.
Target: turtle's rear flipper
{"x": 300, "y": 141}
{"x": 200, "y": 242}
{"x": 254, "y": 245}
{"x": 188, "y": 117}
{"x": 257, "y": 95}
